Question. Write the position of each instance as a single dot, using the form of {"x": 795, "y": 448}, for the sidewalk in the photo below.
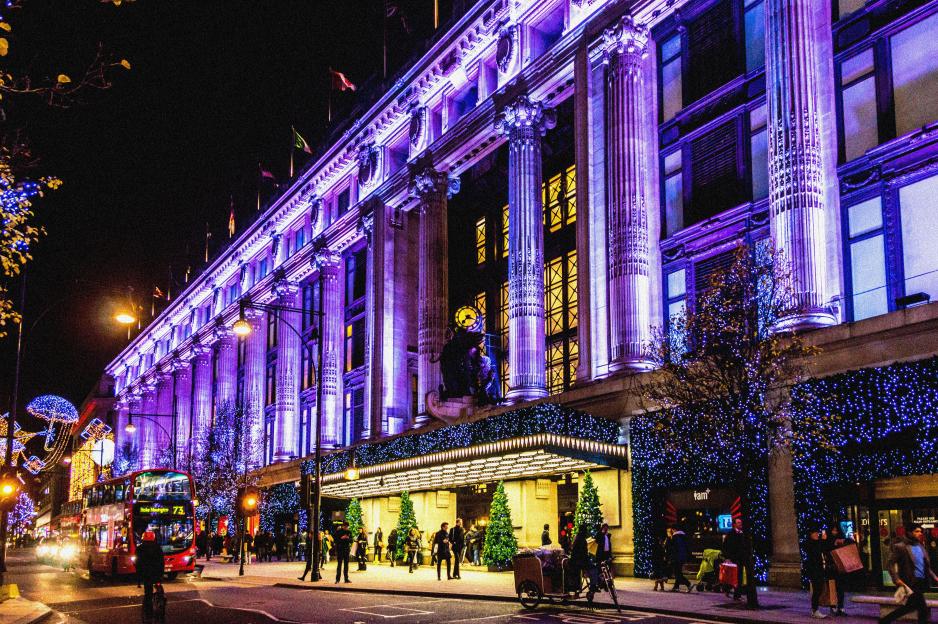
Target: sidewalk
{"x": 777, "y": 605}
{"x": 22, "y": 611}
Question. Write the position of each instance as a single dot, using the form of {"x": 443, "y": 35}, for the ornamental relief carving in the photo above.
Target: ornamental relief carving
{"x": 524, "y": 120}
{"x": 625, "y": 45}
{"x": 417, "y": 132}
{"x": 369, "y": 162}
{"x": 507, "y": 47}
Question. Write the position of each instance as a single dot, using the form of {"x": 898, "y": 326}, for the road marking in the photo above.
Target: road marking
{"x": 373, "y": 611}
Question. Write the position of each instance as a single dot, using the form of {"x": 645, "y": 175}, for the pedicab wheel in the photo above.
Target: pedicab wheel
{"x": 529, "y": 595}
{"x": 612, "y": 593}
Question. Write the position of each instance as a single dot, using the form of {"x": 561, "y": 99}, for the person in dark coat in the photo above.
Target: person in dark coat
{"x": 392, "y": 546}
{"x": 910, "y": 567}
{"x": 200, "y": 543}
{"x": 379, "y": 544}
{"x": 815, "y": 547}
{"x": 149, "y": 566}
{"x": 737, "y": 547}
{"x": 457, "y": 539}
{"x": 441, "y": 548}
{"x": 604, "y": 546}
{"x": 545, "y": 536}
{"x": 582, "y": 563}
{"x": 343, "y": 549}
{"x": 361, "y": 550}
{"x": 836, "y": 539}
{"x": 678, "y": 555}
{"x": 218, "y": 544}
{"x": 411, "y": 546}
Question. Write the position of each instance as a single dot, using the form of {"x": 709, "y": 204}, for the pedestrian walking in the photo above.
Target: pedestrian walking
{"x": 200, "y": 543}
{"x": 441, "y": 549}
{"x": 326, "y": 547}
{"x": 392, "y": 546}
{"x": 379, "y": 544}
{"x": 604, "y": 546}
{"x": 471, "y": 536}
{"x": 248, "y": 546}
{"x": 301, "y": 545}
{"x": 659, "y": 563}
{"x": 814, "y": 568}
{"x": 457, "y": 540}
{"x": 361, "y": 549}
{"x": 545, "y": 536}
{"x": 260, "y": 546}
{"x": 218, "y": 544}
{"x": 836, "y": 539}
{"x": 149, "y": 567}
{"x": 411, "y": 546}
{"x": 290, "y": 546}
{"x": 737, "y": 547}
{"x": 678, "y": 555}
{"x": 911, "y": 569}
{"x": 343, "y": 549}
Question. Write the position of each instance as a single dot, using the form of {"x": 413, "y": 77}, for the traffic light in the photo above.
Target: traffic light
{"x": 249, "y": 501}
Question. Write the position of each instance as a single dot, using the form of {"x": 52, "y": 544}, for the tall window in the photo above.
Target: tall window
{"x": 503, "y": 332}
{"x": 560, "y": 294}
{"x": 754, "y": 26}
{"x": 342, "y": 202}
{"x": 270, "y": 377}
{"x": 869, "y": 295}
{"x": 858, "y": 96}
{"x": 919, "y": 233}
{"x": 672, "y": 99}
{"x": 355, "y": 412}
{"x": 915, "y": 75}
{"x": 758, "y": 154}
{"x": 480, "y": 240}
{"x": 675, "y": 300}
{"x": 560, "y": 199}
{"x": 504, "y": 236}
{"x": 310, "y": 328}
{"x": 354, "y": 345}
{"x": 673, "y": 193}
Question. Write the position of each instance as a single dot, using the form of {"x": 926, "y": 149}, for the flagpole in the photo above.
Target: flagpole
{"x": 291, "y": 162}
{"x": 436, "y": 14}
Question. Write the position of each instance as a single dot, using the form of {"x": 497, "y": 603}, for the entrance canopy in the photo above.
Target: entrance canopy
{"x": 536, "y": 441}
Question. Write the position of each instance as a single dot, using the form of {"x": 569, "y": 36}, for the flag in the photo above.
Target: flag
{"x": 157, "y": 293}
{"x": 300, "y": 143}
{"x": 265, "y": 174}
{"x": 340, "y": 82}
{"x": 393, "y": 9}
{"x": 231, "y": 218}
{"x": 208, "y": 236}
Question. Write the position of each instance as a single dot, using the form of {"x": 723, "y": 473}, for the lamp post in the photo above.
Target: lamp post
{"x": 130, "y": 427}
{"x": 242, "y": 328}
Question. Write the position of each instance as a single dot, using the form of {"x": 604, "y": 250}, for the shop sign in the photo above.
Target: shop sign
{"x": 704, "y": 498}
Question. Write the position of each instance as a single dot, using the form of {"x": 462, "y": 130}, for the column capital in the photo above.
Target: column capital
{"x": 326, "y": 262}
{"x": 428, "y": 181}
{"x": 626, "y": 40}
{"x": 524, "y": 114}
{"x": 285, "y": 288}
{"x": 198, "y": 350}
{"x": 221, "y": 333}
{"x": 178, "y": 365}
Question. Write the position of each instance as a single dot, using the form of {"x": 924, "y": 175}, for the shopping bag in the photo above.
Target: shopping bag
{"x": 353, "y": 551}
{"x": 847, "y": 559}
{"x": 729, "y": 574}
{"x": 902, "y": 594}
{"x": 829, "y": 593}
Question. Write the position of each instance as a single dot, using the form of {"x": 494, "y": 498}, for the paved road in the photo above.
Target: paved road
{"x": 78, "y": 599}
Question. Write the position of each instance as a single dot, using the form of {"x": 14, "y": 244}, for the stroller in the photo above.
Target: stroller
{"x": 708, "y": 576}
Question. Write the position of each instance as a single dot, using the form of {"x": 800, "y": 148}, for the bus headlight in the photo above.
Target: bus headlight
{"x": 67, "y": 553}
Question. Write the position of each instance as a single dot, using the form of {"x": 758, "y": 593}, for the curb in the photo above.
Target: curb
{"x": 494, "y": 598}
{"x": 37, "y": 612}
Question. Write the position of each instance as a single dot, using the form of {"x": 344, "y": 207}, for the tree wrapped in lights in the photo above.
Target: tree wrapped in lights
{"x": 279, "y": 500}
{"x": 353, "y": 515}
{"x": 715, "y": 408}
{"x": 500, "y": 541}
{"x": 589, "y": 515}
{"x": 21, "y": 517}
{"x": 406, "y": 520}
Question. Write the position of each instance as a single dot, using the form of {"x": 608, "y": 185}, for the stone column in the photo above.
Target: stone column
{"x": 288, "y": 371}
{"x": 122, "y": 407}
{"x": 226, "y": 385}
{"x": 255, "y": 361}
{"x": 164, "y": 407}
{"x": 201, "y": 391}
{"x": 327, "y": 263}
{"x": 796, "y": 172}
{"x": 431, "y": 187}
{"x": 146, "y": 430}
{"x": 626, "y": 47}
{"x": 523, "y": 123}
{"x": 183, "y": 390}
{"x": 135, "y": 440}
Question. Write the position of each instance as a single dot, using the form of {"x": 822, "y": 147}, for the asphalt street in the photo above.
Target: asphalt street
{"x": 77, "y": 599}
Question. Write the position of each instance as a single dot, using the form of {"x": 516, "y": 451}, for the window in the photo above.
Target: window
{"x": 480, "y": 240}
{"x": 307, "y": 416}
{"x": 846, "y": 7}
{"x": 711, "y": 51}
{"x": 342, "y": 202}
{"x": 858, "y": 99}
{"x": 269, "y": 437}
{"x": 673, "y": 193}
{"x": 671, "y": 87}
{"x": 758, "y": 154}
{"x": 310, "y": 331}
{"x": 714, "y": 174}
{"x": 560, "y": 199}
{"x": 234, "y": 292}
{"x": 300, "y": 238}
{"x": 270, "y": 378}
{"x": 503, "y": 332}
{"x": 754, "y": 25}
{"x": 355, "y": 413}
{"x": 354, "y": 345}
{"x": 505, "y": 231}
{"x": 560, "y": 295}
{"x": 869, "y": 295}
{"x": 915, "y": 75}
{"x": 479, "y": 303}
{"x": 355, "y": 275}
{"x": 271, "y": 331}
{"x": 919, "y": 233}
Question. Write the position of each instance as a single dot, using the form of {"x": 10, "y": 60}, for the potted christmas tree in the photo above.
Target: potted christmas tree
{"x": 406, "y": 520}
{"x": 500, "y": 542}
{"x": 588, "y": 514}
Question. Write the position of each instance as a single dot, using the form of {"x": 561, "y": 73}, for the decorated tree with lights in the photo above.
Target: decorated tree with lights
{"x": 279, "y": 501}
{"x": 717, "y": 409}
{"x": 406, "y": 520}
{"x": 500, "y": 541}
{"x": 23, "y": 514}
{"x": 353, "y": 515}
{"x": 588, "y": 514}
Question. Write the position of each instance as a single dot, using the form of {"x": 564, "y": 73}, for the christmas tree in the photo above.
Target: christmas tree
{"x": 281, "y": 500}
{"x": 500, "y": 542}
{"x": 588, "y": 514}
{"x": 21, "y": 517}
{"x": 353, "y": 515}
{"x": 406, "y": 520}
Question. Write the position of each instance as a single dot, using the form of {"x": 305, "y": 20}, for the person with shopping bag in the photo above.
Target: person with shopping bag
{"x": 814, "y": 568}
{"x": 842, "y": 556}
{"x": 737, "y": 548}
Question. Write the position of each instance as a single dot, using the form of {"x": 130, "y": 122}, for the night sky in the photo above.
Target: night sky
{"x": 214, "y": 89}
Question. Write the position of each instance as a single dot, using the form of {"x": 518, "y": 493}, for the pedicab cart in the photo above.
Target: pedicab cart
{"x": 546, "y": 573}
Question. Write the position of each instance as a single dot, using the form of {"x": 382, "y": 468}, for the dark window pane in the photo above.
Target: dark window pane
{"x": 715, "y": 174}
{"x": 712, "y": 47}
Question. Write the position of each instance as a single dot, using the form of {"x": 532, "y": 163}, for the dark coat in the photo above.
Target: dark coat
{"x": 457, "y": 537}
{"x": 814, "y": 561}
{"x": 737, "y": 547}
{"x": 149, "y": 562}
{"x": 901, "y": 564}
{"x": 392, "y": 539}
{"x": 545, "y": 538}
{"x": 343, "y": 541}
{"x": 679, "y": 551}
{"x": 601, "y": 553}
{"x": 441, "y": 542}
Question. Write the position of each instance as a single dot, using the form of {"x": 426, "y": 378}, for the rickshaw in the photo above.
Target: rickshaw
{"x": 546, "y": 574}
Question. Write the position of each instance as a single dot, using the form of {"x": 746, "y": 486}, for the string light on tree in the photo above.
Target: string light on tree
{"x": 588, "y": 510}
{"x": 406, "y": 520}
{"x": 500, "y": 541}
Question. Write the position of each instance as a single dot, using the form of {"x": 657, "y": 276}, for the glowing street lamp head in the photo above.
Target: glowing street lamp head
{"x": 241, "y": 327}
{"x": 130, "y": 428}
{"x": 124, "y": 317}
{"x": 6, "y": 489}
{"x": 351, "y": 474}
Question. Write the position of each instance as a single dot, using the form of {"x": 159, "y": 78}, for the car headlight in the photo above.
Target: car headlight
{"x": 42, "y": 550}
{"x": 54, "y": 551}
{"x": 67, "y": 552}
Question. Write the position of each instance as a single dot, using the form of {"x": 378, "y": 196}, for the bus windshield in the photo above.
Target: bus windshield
{"x": 172, "y": 524}
{"x": 162, "y": 486}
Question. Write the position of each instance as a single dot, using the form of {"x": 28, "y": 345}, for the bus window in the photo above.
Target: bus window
{"x": 162, "y": 486}
{"x": 119, "y": 493}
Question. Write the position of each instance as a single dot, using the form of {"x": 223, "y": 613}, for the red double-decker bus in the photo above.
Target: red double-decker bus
{"x": 116, "y": 513}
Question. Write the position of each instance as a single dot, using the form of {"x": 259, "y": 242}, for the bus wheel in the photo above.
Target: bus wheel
{"x": 172, "y": 575}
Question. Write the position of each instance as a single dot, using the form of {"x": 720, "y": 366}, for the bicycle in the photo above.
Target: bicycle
{"x": 158, "y": 603}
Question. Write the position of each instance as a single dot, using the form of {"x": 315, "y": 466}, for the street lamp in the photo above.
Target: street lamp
{"x": 130, "y": 427}
{"x": 125, "y": 318}
{"x": 242, "y": 328}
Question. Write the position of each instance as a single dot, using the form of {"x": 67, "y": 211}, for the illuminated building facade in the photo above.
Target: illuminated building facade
{"x": 575, "y": 170}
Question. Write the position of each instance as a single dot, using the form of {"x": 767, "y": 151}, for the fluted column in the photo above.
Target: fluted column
{"x": 134, "y": 441}
{"x": 226, "y": 368}
{"x": 255, "y": 360}
{"x": 201, "y": 390}
{"x": 327, "y": 263}
{"x": 523, "y": 123}
{"x": 122, "y": 408}
{"x": 431, "y": 187}
{"x": 626, "y": 47}
{"x": 183, "y": 389}
{"x": 796, "y": 171}
{"x": 164, "y": 407}
{"x": 145, "y": 427}
{"x": 288, "y": 371}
